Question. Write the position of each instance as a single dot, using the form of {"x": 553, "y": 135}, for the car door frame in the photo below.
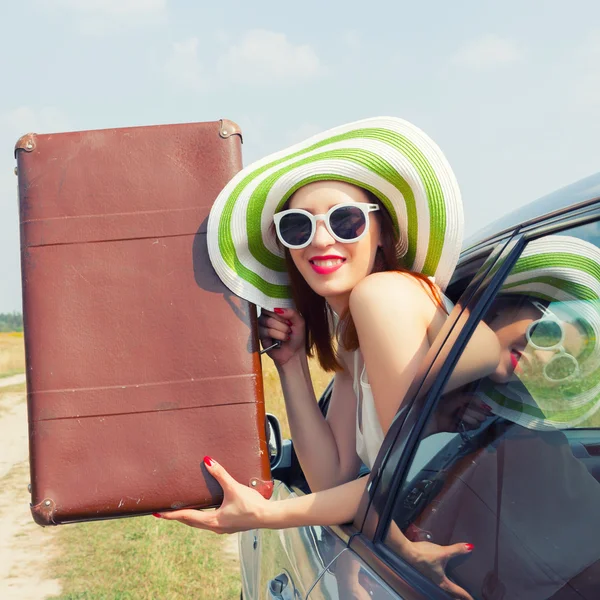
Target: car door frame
{"x": 394, "y": 458}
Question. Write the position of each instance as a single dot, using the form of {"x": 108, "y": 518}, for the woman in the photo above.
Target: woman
{"x": 338, "y": 239}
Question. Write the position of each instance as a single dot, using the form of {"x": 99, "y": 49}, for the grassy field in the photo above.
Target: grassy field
{"x": 12, "y": 354}
{"x": 147, "y": 559}
{"x": 274, "y": 396}
{"x": 143, "y": 558}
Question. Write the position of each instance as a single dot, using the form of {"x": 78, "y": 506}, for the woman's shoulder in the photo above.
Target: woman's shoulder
{"x": 389, "y": 286}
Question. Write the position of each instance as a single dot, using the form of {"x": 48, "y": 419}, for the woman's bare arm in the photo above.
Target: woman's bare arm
{"x": 326, "y": 448}
{"x": 392, "y": 313}
{"x": 397, "y": 319}
{"x": 244, "y": 508}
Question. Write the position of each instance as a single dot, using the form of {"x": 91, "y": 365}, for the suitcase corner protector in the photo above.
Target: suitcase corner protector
{"x": 264, "y": 488}
{"x": 43, "y": 512}
{"x": 26, "y": 142}
{"x": 229, "y": 128}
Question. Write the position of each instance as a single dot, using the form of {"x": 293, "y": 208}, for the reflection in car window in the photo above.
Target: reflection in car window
{"x": 498, "y": 465}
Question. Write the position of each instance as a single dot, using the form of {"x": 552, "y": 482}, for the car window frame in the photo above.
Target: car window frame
{"x": 385, "y": 483}
{"x": 475, "y": 301}
{"x": 398, "y": 574}
{"x": 366, "y": 519}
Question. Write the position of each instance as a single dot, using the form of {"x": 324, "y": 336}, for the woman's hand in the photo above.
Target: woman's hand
{"x": 458, "y": 408}
{"x": 285, "y": 325}
{"x": 431, "y": 559}
{"x": 241, "y": 509}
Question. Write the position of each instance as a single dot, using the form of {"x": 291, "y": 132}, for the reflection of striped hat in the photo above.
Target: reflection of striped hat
{"x": 563, "y": 271}
{"x": 387, "y": 156}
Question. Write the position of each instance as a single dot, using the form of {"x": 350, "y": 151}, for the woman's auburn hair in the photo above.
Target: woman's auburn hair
{"x": 317, "y": 314}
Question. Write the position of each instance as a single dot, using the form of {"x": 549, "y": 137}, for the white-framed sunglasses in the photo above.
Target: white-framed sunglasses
{"x": 346, "y": 223}
{"x": 548, "y": 334}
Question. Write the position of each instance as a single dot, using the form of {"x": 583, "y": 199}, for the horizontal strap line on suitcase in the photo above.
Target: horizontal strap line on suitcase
{"x": 113, "y": 400}
{"x": 114, "y": 227}
{"x": 142, "y": 412}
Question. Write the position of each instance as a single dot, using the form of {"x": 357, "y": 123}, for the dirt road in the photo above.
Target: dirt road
{"x": 24, "y": 546}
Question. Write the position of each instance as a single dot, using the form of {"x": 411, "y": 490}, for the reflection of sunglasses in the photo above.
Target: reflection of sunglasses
{"x": 548, "y": 334}
{"x": 346, "y": 223}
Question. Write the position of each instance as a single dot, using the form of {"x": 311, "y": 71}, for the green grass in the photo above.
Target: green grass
{"x": 143, "y": 558}
{"x": 19, "y": 388}
{"x": 274, "y": 401}
{"x": 12, "y": 354}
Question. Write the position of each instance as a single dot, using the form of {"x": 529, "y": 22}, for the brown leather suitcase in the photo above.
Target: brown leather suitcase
{"x": 139, "y": 361}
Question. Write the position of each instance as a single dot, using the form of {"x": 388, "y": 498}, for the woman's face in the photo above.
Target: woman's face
{"x": 333, "y": 268}
{"x": 518, "y": 358}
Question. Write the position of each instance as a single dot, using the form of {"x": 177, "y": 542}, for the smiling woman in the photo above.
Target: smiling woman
{"x": 346, "y": 241}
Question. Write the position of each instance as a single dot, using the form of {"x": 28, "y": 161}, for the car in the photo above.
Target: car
{"x": 524, "y": 490}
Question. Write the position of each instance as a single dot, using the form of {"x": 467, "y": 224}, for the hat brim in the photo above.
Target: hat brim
{"x": 391, "y": 158}
{"x": 514, "y": 402}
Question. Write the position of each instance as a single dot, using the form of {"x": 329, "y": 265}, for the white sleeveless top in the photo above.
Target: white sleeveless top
{"x": 369, "y": 435}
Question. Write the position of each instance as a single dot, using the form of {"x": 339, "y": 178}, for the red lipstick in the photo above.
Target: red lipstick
{"x": 324, "y": 265}
{"x": 514, "y": 358}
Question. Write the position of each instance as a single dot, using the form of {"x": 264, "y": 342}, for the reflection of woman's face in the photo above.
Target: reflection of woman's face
{"x": 333, "y": 268}
{"x": 509, "y": 321}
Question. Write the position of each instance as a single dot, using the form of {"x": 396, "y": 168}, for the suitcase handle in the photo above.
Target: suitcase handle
{"x": 277, "y": 345}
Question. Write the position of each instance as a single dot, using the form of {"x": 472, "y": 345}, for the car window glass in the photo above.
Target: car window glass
{"x": 502, "y": 462}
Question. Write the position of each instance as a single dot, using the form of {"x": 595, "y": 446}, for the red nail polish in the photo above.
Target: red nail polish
{"x": 279, "y": 311}
{"x": 486, "y": 406}
{"x": 289, "y": 323}
{"x": 157, "y": 515}
{"x": 208, "y": 461}
{"x": 469, "y": 547}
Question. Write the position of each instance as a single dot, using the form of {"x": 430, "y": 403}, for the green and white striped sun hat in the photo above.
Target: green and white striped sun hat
{"x": 564, "y": 272}
{"x": 393, "y": 159}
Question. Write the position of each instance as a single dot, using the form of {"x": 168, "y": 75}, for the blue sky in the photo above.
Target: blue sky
{"x": 510, "y": 91}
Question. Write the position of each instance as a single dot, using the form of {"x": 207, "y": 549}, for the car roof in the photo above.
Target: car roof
{"x": 571, "y": 197}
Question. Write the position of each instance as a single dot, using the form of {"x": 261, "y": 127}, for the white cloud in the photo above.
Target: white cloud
{"x": 259, "y": 58}
{"x": 101, "y": 17}
{"x": 183, "y": 66}
{"x": 487, "y": 52}
{"x": 265, "y": 57}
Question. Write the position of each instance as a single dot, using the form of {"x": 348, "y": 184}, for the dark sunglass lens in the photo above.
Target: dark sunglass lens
{"x": 347, "y": 222}
{"x": 562, "y": 367}
{"x": 546, "y": 334}
{"x": 295, "y": 229}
